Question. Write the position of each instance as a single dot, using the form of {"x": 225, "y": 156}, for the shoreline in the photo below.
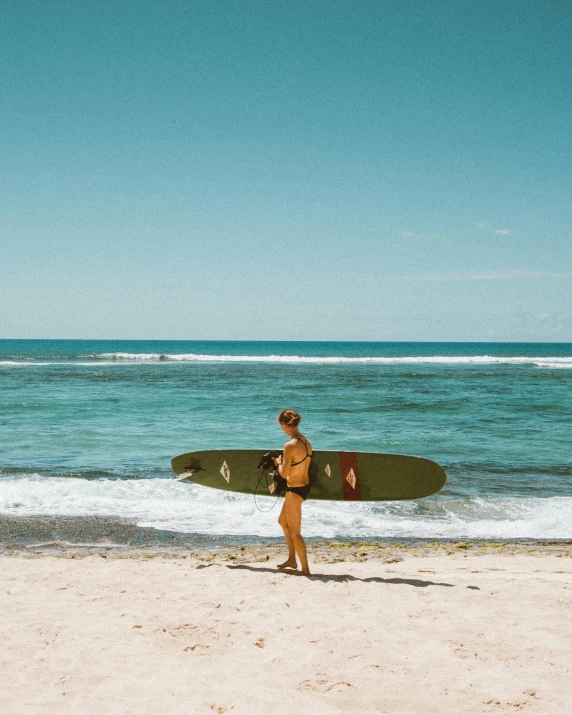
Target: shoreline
{"x": 320, "y": 551}
{"x": 120, "y": 538}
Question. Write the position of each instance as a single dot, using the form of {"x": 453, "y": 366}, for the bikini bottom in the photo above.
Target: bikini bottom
{"x": 303, "y": 492}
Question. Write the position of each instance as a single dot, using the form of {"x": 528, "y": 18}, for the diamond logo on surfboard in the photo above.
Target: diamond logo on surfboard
{"x": 328, "y": 470}
{"x": 225, "y": 471}
{"x": 351, "y": 479}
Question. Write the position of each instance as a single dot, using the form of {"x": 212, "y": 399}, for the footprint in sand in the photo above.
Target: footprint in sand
{"x": 324, "y": 686}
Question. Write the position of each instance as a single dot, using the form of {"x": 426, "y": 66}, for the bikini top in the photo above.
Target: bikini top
{"x": 308, "y": 455}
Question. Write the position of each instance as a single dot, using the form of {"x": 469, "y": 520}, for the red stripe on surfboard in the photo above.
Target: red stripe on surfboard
{"x": 348, "y": 462}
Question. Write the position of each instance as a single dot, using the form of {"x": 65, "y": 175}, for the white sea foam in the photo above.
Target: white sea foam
{"x": 562, "y": 363}
{"x": 176, "y": 506}
{"x": 123, "y": 358}
{"x": 19, "y": 363}
{"x": 418, "y": 360}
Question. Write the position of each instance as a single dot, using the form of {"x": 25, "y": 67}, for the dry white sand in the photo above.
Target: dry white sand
{"x": 460, "y": 633}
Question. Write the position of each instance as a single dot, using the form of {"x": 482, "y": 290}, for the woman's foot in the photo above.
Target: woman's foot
{"x": 290, "y": 564}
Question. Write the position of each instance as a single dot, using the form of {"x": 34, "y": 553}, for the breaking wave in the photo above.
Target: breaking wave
{"x": 148, "y": 358}
{"x": 417, "y": 360}
{"x": 182, "y": 507}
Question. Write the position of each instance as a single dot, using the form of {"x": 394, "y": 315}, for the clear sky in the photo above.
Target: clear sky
{"x": 271, "y": 169}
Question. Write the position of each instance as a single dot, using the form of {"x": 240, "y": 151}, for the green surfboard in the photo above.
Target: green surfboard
{"x": 335, "y": 476}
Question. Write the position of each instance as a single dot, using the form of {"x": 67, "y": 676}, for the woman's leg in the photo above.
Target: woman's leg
{"x": 293, "y": 512}
{"x": 283, "y": 521}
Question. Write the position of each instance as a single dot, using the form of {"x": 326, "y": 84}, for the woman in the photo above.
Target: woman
{"x": 294, "y": 468}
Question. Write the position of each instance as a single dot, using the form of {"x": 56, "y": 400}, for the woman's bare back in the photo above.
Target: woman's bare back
{"x": 299, "y": 450}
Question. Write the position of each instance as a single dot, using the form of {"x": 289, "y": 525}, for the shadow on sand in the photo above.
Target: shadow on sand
{"x": 340, "y": 578}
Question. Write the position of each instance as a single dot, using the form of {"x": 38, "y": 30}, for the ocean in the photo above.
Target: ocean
{"x": 88, "y": 428}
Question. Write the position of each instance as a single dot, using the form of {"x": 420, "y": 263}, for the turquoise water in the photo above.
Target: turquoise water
{"x": 87, "y": 428}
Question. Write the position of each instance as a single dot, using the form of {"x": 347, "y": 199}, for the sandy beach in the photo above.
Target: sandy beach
{"x": 377, "y": 629}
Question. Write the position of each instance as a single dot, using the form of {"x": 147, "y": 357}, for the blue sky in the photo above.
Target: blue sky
{"x": 390, "y": 170}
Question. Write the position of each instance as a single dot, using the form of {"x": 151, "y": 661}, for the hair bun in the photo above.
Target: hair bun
{"x": 290, "y": 418}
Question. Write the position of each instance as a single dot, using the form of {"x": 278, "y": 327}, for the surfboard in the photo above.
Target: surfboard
{"x": 335, "y": 476}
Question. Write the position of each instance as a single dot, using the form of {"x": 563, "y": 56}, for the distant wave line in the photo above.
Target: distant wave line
{"x": 438, "y": 359}
{"x": 135, "y": 358}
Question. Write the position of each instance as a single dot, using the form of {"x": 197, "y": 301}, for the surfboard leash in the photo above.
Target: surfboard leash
{"x": 263, "y": 476}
